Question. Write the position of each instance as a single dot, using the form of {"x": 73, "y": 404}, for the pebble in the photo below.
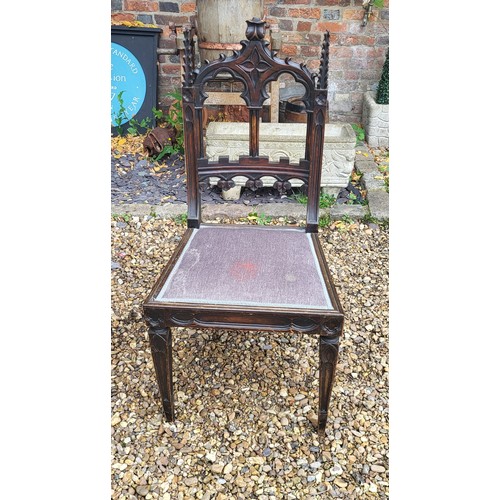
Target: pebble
{"x": 340, "y": 483}
{"x": 217, "y": 468}
{"x": 191, "y": 481}
{"x": 142, "y": 490}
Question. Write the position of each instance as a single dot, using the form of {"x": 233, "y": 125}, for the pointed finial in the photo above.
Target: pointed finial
{"x": 323, "y": 66}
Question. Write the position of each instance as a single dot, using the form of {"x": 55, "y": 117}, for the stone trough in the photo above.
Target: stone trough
{"x": 284, "y": 140}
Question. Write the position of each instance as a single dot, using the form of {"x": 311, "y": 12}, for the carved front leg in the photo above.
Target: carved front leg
{"x": 160, "y": 339}
{"x": 328, "y": 354}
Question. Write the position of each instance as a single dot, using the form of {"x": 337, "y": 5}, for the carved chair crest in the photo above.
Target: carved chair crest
{"x": 255, "y": 66}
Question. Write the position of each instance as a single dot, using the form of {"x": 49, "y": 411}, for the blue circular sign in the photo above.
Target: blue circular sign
{"x": 128, "y": 83}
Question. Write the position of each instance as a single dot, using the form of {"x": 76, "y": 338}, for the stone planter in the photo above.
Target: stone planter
{"x": 375, "y": 121}
{"x": 285, "y": 139}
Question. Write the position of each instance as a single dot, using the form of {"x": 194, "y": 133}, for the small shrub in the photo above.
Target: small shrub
{"x": 359, "y": 131}
{"x": 383, "y": 85}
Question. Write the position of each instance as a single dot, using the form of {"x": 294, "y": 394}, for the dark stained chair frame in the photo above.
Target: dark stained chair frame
{"x": 255, "y": 66}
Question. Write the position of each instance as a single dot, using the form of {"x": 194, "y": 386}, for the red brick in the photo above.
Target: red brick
{"x": 341, "y": 51}
{"x": 356, "y": 63}
{"x": 295, "y": 2}
{"x": 188, "y": 7}
{"x": 167, "y": 38}
{"x": 165, "y": 19}
{"x": 140, "y": 5}
{"x": 304, "y": 26}
{"x": 277, "y": 11}
{"x": 370, "y": 74}
{"x": 363, "y": 51}
{"x": 336, "y": 63}
{"x": 352, "y": 74}
{"x": 272, "y": 21}
{"x": 170, "y": 69}
{"x": 341, "y": 3}
{"x": 310, "y": 50}
{"x": 355, "y": 14}
{"x": 313, "y": 65}
{"x": 285, "y": 24}
{"x": 314, "y": 38}
{"x": 288, "y": 50}
{"x": 305, "y": 13}
{"x": 332, "y": 26}
{"x": 122, "y": 17}
{"x": 293, "y": 37}
{"x": 357, "y": 40}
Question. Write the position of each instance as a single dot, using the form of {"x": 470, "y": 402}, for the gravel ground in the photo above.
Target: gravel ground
{"x": 246, "y": 403}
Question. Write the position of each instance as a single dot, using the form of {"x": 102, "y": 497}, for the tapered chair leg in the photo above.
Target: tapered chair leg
{"x": 160, "y": 340}
{"x": 328, "y": 354}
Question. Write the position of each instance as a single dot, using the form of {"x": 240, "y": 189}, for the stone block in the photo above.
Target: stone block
{"x": 378, "y": 201}
{"x": 375, "y": 121}
{"x": 231, "y": 194}
{"x": 278, "y": 140}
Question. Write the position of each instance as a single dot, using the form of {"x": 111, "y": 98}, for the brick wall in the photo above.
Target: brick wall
{"x": 356, "y": 53}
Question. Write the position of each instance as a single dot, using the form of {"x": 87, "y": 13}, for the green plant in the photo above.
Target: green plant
{"x": 263, "y": 220}
{"x": 260, "y": 219}
{"x": 121, "y": 117}
{"x": 326, "y": 200}
{"x": 369, "y": 219}
{"x": 300, "y": 198}
{"x": 181, "y": 219}
{"x": 173, "y": 119}
{"x": 168, "y": 149}
{"x": 359, "y": 131}
{"x": 383, "y": 85}
{"x": 135, "y": 125}
{"x": 346, "y": 219}
{"x": 121, "y": 217}
{"x": 384, "y": 170}
{"x": 325, "y": 220}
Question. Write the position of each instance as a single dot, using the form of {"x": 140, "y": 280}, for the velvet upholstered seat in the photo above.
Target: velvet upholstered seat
{"x": 254, "y": 266}
{"x": 242, "y": 276}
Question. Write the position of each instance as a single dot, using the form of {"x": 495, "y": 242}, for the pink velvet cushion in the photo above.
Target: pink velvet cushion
{"x": 247, "y": 265}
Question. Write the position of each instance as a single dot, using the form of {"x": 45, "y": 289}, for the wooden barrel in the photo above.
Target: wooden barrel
{"x": 295, "y": 111}
{"x": 221, "y": 25}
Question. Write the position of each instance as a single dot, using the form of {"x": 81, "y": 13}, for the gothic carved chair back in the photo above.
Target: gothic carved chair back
{"x": 255, "y": 66}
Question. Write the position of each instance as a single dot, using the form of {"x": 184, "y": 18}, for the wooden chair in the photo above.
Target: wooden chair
{"x": 242, "y": 276}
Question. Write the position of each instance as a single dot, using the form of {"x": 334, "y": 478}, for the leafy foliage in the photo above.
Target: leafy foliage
{"x": 181, "y": 219}
{"x": 383, "y": 85}
{"x": 135, "y": 125}
{"x": 325, "y": 200}
{"x": 324, "y": 220}
{"x": 359, "y": 131}
{"x": 261, "y": 219}
{"x": 121, "y": 117}
{"x": 173, "y": 119}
